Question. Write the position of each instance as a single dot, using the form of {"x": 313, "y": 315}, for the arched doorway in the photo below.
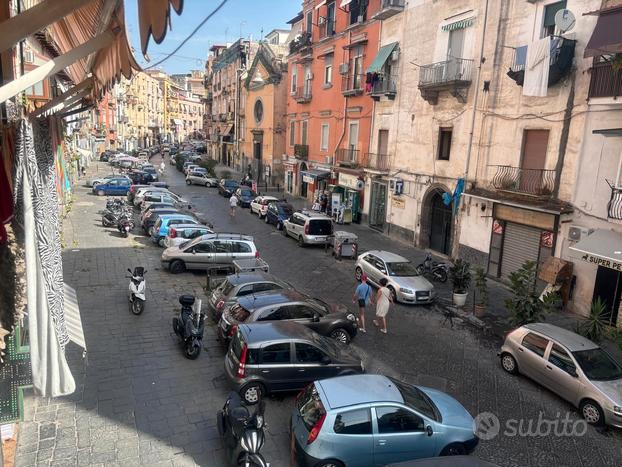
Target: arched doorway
{"x": 303, "y": 184}
{"x": 437, "y": 222}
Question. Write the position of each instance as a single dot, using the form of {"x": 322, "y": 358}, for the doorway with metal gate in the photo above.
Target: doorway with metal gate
{"x": 608, "y": 287}
{"x": 441, "y": 220}
{"x": 378, "y": 205}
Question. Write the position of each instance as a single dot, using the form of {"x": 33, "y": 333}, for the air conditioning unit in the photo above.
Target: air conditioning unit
{"x": 329, "y": 160}
{"x": 344, "y": 68}
{"x": 395, "y": 55}
{"x": 360, "y": 18}
{"x": 29, "y": 56}
{"x": 321, "y": 20}
{"x": 576, "y": 233}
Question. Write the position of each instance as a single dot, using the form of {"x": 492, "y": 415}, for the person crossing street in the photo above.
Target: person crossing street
{"x": 362, "y": 296}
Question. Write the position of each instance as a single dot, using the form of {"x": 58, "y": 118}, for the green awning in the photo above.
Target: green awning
{"x": 381, "y": 58}
{"x": 463, "y": 23}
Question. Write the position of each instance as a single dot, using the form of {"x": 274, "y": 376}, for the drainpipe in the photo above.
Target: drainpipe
{"x": 345, "y": 104}
{"x": 563, "y": 141}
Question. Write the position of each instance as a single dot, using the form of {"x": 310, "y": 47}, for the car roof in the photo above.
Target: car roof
{"x": 176, "y": 216}
{"x": 249, "y": 277}
{"x": 257, "y": 333}
{"x": 572, "y": 341}
{"x": 191, "y": 226}
{"x": 312, "y": 214}
{"x": 343, "y": 391}
{"x": 387, "y": 256}
{"x": 255, "y": 301}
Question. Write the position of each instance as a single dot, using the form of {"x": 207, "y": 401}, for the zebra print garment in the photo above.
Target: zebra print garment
{"x": 35, "y": 159}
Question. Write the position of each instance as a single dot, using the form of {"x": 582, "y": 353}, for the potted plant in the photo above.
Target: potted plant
{"x": 461, "y": 279}
{"x": 481, "y": 298}
{"x": 526, "y": 305}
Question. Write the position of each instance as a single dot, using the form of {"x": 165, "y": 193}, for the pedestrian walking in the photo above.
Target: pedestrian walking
{"x": 383, "y": 299}
{"x": 362, "y": 296}
{"x": 233, "y": 203}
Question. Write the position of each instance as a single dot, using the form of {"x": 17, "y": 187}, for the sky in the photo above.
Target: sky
{"x": 246, "y": 16}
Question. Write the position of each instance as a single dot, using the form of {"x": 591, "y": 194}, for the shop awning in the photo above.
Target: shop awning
{"x": 607, "y": 35}
{"x": 463, "y": 23}
{"x": 381, "y": 57}
{"x": 602, "y": 248}
{"x": 316, "y": 174}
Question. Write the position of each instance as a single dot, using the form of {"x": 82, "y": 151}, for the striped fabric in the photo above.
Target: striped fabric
{"x": 463, "y": 23}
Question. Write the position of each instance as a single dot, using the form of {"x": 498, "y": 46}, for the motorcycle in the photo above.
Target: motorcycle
{"x": 137, "y": 288}
{"x": 438, "y": 271}
{"x": 125, "y": 225}
{"x": 112, "y": 215}
{"x": 242, "y": 433}
{"x": 189, "y": 326}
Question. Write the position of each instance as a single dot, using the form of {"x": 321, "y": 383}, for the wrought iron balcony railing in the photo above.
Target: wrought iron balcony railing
{"x": 604, "y": 81}
{"x": 386, "y": 85}
{"x": 347, "y": 156}
{"x": 352, "y": 84}
{"x": 614, "y": 207}
{"x": 303, "y": 94}
{"x": 380, "y": 162}
{"x": 389, "y": 8}
{"x": 327, "y": 29}
{"x": 536, "y": 182}
{"x": 301, "y": 151}
{"x": 302, "y": 41}
{"x": 450, "y": 72}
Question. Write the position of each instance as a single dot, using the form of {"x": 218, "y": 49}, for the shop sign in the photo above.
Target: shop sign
{"x": 350, "y": 181}
{"x": 308, "y": 179}
{"x": 398, "y": 203}
{"x": 604, "y": 262}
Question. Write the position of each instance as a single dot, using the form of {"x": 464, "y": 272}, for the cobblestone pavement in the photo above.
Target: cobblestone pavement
{"x": 140, "y": 402}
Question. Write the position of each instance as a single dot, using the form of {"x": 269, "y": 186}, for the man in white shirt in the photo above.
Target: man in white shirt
{"x": 233, "y": 203}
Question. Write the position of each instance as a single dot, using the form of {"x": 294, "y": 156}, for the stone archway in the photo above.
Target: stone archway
{"x": 437, "y": 221}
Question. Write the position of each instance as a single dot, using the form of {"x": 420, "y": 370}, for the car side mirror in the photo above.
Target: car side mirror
{"x": 325, "y": 360}
{"x": 429, "y": 430}
{"x": 316, "y": 318}
{"x": 129, "y": 270}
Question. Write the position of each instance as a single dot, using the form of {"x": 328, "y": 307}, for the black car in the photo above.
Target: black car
{"x": 245, "y": 196}
{"x": 278, "y": 212}
{"x": 282, "y": 356}
{"x": 151, "y": 171}
{"x": 139, "y": 177}
{"x": 289, "y": 305}
{"x": 227, "y": 187}
{"x": 104, "y": 157}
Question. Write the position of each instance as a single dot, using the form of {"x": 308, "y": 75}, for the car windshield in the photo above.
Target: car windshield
{"x": 402, "y": 269}
{"x": 285, "y": 209}
{"x": 598, "y": 365}
{"x": 417, "y": 400}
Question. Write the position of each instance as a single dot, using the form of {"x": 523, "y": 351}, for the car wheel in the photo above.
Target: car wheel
{"x": 454, "y": 449}
{"x": 252, "y": 393}
{"x": 393, "y": 294}
{"x": 340, "y": 335}
{"x": 301, "y": 241}
{"x": 178, "y": 266}
{"x": 420, "y": 269}
{"x": 358, "y": 273}
{"x": 508, "y": 363}
{"x": 284, "y": 231}
{"x": 188, "y": 182}
{"x": 100, "y": 193}
{"x": 592, "y": 413}
{"x": 207, "y": 184}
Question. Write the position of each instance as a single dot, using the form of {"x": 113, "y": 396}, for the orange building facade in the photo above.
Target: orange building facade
{"x": 329, "y": 108}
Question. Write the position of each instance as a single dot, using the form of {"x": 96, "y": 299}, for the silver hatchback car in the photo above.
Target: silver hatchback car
{"x": 571, "y": 366}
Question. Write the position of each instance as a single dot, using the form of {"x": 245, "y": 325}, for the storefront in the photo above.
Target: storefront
{"x": 314, "y": 181}
{"x": 350, "y": 187}
{"x": 603, "y": 250}
{"x": 378, "y": 204}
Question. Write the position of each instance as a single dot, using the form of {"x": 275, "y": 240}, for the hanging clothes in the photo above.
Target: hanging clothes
{"x": 7, "y": 151}
{"x": 36, "y": 207}
{"x": 536, "y": 81}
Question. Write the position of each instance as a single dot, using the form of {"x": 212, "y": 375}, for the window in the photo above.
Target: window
{"x": 258, "y": 111}
{"x": 397, "y": 420}
{"x": 560, "y": 358}
{"x": 444, "y": 143}
{"x": 240, "y": 247}
{"x": 354, "y": 422}
{"x": 548, "y": 23}
{"x": 330, "y": 19}
{"x": 265, "y": 287}
{"x": 324, "y": 137}
{"x": 292, "y": 133}
{"x": 300, "y": 312}
{"x": 535, "y": 343}
{"x": 357, "y": 67}
{"x": 36, "y": 90}
{"x": 203, "y": 248}
{"x": 358, "y": 11}
{"x": 306, "y": 353}
{"x": 328, "y": 70}
{"x": 246, "y": 290}
{"x": 221, "y": 247}
{"x": 309, "y": 22}
{"x": 303, "y": 132}
{"x": 308, "y": 77}
{"x": 294, "y": 84}
{"x": 277, "y": 353}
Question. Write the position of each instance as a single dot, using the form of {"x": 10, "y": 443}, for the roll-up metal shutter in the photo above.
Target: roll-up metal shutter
{"x": 520, "y": 244}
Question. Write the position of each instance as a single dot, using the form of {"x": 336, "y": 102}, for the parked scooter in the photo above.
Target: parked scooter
{"x": 125, "y": 225}
{"x": 189, "y": 326}
{"x": 438, "y": 271}
{"x": 137, "y": 288}
{"x": 242, "y": 433}
{"x": 111, "y": 217}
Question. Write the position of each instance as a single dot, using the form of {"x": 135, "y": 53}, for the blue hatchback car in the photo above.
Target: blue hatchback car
{"x": 278, "y": 211}
{"x": 165, "y": 222}
{"x": 113, "y": 186}
{"x": 374, "y": 420}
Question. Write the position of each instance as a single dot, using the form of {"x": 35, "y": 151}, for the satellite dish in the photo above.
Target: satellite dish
{"x": 564, "y": 20}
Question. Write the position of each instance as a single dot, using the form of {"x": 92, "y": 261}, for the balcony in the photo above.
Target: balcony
{"x": 380, "y": 162}
{"x": 533, "y": 182}
{"x": 351, "y": 84}
{"x": 222, "y": 117}
{"x": 347, "y": 157}
{"x": 303, "y": 94}
{"x": 451, "y": 75}
{"x": 301, "y": 151}
{"x": 389, "y": 8}
{"x": 385, "y": 86}
{"x": 614, "y": 207}
{"x": 604, "y": 81}
{"x": 562, "y": 53}
{"x": 327, "y": 29}
{"x": 301, "y": 44}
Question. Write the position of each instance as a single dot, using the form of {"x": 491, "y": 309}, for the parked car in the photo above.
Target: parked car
{"x": 139, "y": 177}
{"x": 201, "y": 177}
{"x": 151, "y": 171}
{"x": 374, "y": 420}
{"x": 245, "y": 196}
{"x": 113, "y": 186}
{"x": 260, "y": 204}
{"x": 227, "y": 187}
{"x": 208, "y": 251}
{"x": 164, "y": 197}
{"x": 133, "y": 190}
{"x": 404, "y": 282}
{"x": 105, "y": 156}
{"x": 97, "y": 180}
{"x": 240, "y": 285}
{"x": 188, "y": 164}
{"x": 282, "y": 356}
{"x": 289, "y": 305}
{"x": 153, "y": 215}
{"x": 147, "y": 209}
{"x": 140, "y": 194}
{"x": 308, "y": 227}
{"x": 160, "y": 229}
{"x": 278, "y": 212}
{"x": 571, "y": 366}
{"x": 182, "y": 233}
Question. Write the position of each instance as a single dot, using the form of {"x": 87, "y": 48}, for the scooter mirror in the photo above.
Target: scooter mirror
{"x": 129, "y": 270}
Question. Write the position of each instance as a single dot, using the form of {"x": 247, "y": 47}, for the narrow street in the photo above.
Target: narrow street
{"x": 140, "y": 402}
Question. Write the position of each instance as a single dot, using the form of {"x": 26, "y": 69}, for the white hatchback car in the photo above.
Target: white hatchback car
{"x": 259, "y": 205}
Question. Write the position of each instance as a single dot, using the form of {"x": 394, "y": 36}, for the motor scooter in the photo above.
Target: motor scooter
{"x": 137, "y": 297}
{"x": 125, "y": 225}
{"x": 438, "y": 271}
{"x": 242, "y": 433}
{"x": 189, "y": 326}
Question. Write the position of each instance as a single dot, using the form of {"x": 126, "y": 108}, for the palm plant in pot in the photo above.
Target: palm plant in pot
{"x": 460, "y": 274}
{"x": 481, "y": 297}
